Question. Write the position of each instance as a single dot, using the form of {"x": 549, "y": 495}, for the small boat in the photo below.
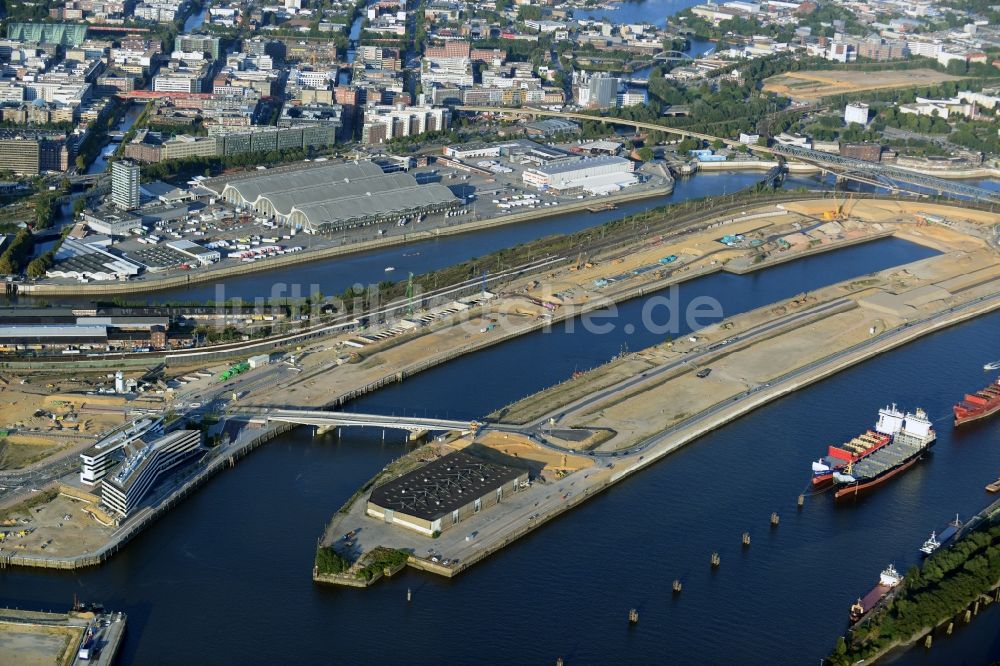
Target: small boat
{"x": 993, "y": 487}
{"x": 937, "y": 540}
{"x": 389, "y": 269}
{"x": 995, "y": 365}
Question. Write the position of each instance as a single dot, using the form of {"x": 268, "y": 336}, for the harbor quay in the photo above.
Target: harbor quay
{"x": 85, "y": 634}
{"x": 585, "y": 435}
{"x": 572, "y": 478}
{"x": 568, "y": 461}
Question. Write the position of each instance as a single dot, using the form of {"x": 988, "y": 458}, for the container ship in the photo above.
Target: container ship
{"x": 978, "y": 405}
{"x": 887, "y": 580}
{"x": 936, "y": 540}
{"x": 911, "y": 434}
{"x": 839, "y": 457}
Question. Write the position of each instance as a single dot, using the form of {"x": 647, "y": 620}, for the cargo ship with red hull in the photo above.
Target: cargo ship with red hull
{"x": 978, "y": 405}
{"x": 839, "y": 457}
{"x": 912, "y": 435}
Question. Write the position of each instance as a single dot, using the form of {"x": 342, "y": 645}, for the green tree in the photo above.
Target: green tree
{"x": 645, "y": 153}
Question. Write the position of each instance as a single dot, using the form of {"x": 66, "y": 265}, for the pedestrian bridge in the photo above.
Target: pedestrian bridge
{"x": 345, "y": 419}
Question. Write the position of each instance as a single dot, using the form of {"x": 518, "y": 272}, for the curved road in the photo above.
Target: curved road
{"x": 535, "y": 429}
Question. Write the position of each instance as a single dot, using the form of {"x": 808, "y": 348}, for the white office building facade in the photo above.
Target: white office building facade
{"x": 128, "y": 483}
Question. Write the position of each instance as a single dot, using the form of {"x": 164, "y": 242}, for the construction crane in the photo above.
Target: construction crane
{"x": 842, "y": 211}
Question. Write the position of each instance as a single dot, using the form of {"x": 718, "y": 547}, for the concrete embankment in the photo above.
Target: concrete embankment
{"x": 229, "y": 455}
{"x": 757, "y": 165}
{"x": 801, "y": 168}
{"x": 699, "y": 425}
{"x": 146, "y": 517}
{"x": 286, "y": 260}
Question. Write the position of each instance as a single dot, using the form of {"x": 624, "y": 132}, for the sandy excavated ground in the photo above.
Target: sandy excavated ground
{"x": 37, "y": 645}
{"x": 68, "y": 420}
{"x": 517, "y": 450}
{"x": 960, "y": 274}
{"x": 49, "y": 526}
{"x": 568, "y": 286}
{"x": 814, "y": 85}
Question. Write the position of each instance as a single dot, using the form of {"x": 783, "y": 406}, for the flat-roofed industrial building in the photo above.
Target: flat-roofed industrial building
{"x": 337, "y": 196}
{"x": 443, "y": 493}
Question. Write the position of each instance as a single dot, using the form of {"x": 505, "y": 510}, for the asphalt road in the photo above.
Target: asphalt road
{"x": 534, "y": 428}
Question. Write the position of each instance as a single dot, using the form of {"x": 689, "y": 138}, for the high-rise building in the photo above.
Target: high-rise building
{"x": 604, "y": 91}
{"x": 125, "y": 184}
{"x": 198, "y": 43}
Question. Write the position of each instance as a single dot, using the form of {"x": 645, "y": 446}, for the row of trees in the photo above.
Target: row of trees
{"x": 212, "y": 166}
{"x": 17, "y": 253}
{"x": 948, "y": 582}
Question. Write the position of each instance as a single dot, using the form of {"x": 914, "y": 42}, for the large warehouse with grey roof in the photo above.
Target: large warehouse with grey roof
{"x": 336, "y": 196}
{"x": 444, "y": 492}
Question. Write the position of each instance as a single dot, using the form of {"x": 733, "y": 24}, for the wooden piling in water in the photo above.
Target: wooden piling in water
{"x": 746, "y": 539}
{"x": 633, "y": 616}
{"x": 559, "y": 661}
{"x": 716, "y": 560}
{"x": 409, "y": 595}
{"x": 775, "y": 519}
{"x": 677, "y": 586}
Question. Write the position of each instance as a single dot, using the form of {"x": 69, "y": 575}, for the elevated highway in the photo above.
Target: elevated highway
{"x": 871, "y": 173}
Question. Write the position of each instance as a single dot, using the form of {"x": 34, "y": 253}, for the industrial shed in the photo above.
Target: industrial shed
{"x": 442, "y": 493}
{"x": 337, "y": 196}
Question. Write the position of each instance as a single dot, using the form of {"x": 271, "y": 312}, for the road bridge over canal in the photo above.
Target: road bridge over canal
{"x": 348, "y": 419}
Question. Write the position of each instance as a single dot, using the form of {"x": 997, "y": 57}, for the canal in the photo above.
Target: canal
{"x": 100, "y": 163}
{"x": 333, "y": 276}
{"x": 231, "y": 563}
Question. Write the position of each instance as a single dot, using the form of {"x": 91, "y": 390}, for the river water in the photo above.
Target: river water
{"x": 196, "y": 20}
{"x": 100, "y": 163}
{"x": 334, "y": 275}
{"x": 654, "y": 12}
{"x": 224, "y": 577}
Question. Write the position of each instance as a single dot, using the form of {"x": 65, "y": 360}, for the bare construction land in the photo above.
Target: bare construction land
{"x": 814, "y": 85}
{"x": 46, "y": 415}
{"x": 634, "y": 410}
{"x": 30, "y": 638}
{"x": 605, "y": 414}
{"x": 38, "y": 639}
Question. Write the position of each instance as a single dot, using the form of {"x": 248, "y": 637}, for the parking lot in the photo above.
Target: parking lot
{"x": 487, "y": 187}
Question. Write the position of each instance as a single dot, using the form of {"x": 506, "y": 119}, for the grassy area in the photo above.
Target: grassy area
{"x": 30, "y": 503}
{"x": 537, "y": 405}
